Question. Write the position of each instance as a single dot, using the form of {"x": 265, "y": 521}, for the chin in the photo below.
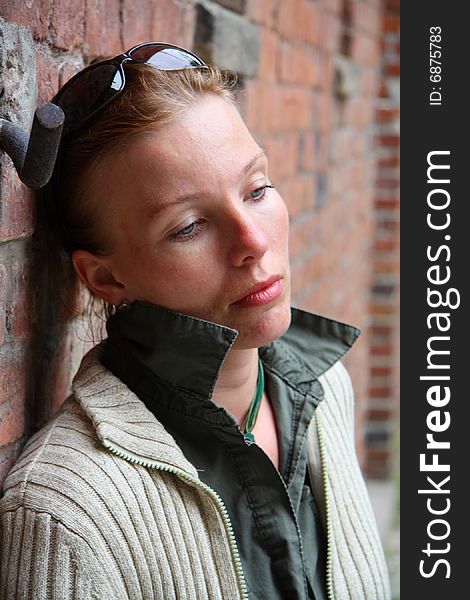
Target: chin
{"x": 262, "y": 329}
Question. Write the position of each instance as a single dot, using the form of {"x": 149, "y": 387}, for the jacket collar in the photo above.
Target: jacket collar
{"x": 188, "y": 352}
{"x": 121, "y": 420}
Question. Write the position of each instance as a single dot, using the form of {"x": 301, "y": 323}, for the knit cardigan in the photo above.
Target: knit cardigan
{"x": 102, "y": 504}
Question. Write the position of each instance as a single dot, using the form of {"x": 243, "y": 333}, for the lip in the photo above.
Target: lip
{"x": 262, "y": 292}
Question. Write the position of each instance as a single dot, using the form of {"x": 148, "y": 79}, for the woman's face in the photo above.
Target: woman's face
{"x": 194, "y": 228}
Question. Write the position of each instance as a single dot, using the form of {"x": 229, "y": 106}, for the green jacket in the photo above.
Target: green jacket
{"x": 103, "y": 503}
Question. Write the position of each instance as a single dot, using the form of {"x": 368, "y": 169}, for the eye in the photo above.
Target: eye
{"x": 259, "y": 193}
{"x": 187, "y": 230}
{"x": 187, "y": 233}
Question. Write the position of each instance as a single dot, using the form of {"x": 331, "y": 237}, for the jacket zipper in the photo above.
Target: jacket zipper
{"x": 329, "y": 578}
{"x": 212, "y": 493}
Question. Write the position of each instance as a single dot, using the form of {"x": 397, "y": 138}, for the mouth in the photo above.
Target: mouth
{"x": 262, "y": 292}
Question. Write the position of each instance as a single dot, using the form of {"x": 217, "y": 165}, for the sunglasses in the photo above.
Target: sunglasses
{"x": 94, "y": 87}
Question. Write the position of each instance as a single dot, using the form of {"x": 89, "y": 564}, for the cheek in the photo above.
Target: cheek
{"x": 185, "y": 273}
{"x": 280, "y": 222}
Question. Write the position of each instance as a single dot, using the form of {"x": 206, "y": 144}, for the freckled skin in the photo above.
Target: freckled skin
{"x": 238, "y": 241}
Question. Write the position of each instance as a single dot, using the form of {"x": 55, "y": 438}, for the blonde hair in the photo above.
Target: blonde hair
{"x": 69, "y": 215}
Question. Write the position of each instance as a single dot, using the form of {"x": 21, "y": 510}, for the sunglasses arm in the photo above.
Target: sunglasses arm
{"x": 34, "y": 156}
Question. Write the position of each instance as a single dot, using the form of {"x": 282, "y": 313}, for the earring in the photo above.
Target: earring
{"x": 124, "y": 306}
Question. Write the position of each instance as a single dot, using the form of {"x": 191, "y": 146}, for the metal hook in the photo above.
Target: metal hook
{"x": 34, "y": 157}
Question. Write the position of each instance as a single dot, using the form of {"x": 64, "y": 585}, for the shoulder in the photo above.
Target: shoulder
{"x": 54, "y": 462}
{"x": 338, "y": 393}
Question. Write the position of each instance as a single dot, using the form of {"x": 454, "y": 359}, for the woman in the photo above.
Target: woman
{"x": 207, "y": 449}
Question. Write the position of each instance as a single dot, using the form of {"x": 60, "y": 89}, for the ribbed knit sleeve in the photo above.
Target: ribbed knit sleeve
{"x": 42, "y": 560}
{"x": 80, "y": 522}
{"x": 356, "y": 558}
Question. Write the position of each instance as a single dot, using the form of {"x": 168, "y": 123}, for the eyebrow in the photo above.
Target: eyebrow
{"x": 253, "y": 161}
{"x": 188, "y": 197}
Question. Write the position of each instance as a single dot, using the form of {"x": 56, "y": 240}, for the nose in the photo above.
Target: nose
{"x": 248, "y": 239}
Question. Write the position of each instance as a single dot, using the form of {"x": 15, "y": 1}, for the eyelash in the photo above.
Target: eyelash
{"x": 184, "y": 237}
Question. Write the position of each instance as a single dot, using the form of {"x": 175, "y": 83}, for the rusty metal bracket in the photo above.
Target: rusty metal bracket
{"x": 34, "y": 156}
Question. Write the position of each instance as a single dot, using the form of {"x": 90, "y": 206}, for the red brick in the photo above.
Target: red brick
{"x": 333, "y": 5}
{"x": 16, "y": 203}
{"x": 381, "y": 371}
{"x": 323, "y": 110}
{"x": 12, "y": 397}
{"x": 288, "y": 18}
{"x": 377, "y": 468}
{"x": 3, "y": 290}
{"x": 262, "y": 107}
{"x": 309, "y": 23}
{"x": 387, "y": 183}
{"x": 385, "y": 115}
{"x": 387, "y": 266}
{"x": 379, "y": 415}
{"x": 8, "y": 456}
{"x": 302, "y": 235}
{"x": 33, "y": 14}
{"x": 260, "y": 11}
{"x": 387, "y": 203}
{"x": 392, "y": 6}
{"x": 137, "y": 17}
{"x": 370, "y": 19}
{"x": 330, "y": 33}
{"x": 68, "y": 23}
{"x": 289, "y": 191}
{"x": 364, "y": 50}
{"x": 298, "y": 194}
{"x": 381, "y": 331}
{"x": 375, "y": 454}
{"x": 388, "y": 140}
{"x": 235, "y": 5}
{"x": 380, "y": 392}
{"x": 307, "y": 155}
{"x": 251, "y": 104}
{"x": 392, "y": 160}
{"x": 67, "y": 69}
{"x": 304, "y": 272}
{"x": 47, "y": 76}
{"x": 20, "y": 309}
{"x": 297, "y": 64}
{"x": 282, "y": 151}
{"x": 391, "y": 23}
{"x": 11, "y": 420}
{"x": 295, "y": 107}
{"x": 383, "y": 349}
{"x": 103, "y": 26}
{"x": 392, "y": 70}
{"x": 326, "y": 72}
{"x": 268, "y": 55}
{"x": 174, "y": 21}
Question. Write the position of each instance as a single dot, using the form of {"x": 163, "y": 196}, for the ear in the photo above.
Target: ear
{"x": 96, "y": 273}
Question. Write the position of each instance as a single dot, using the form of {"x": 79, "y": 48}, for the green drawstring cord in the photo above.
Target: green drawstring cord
{"x": 250, "y": 419}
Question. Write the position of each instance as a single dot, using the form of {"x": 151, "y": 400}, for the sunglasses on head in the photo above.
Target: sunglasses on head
{"x": 94, "y": 87}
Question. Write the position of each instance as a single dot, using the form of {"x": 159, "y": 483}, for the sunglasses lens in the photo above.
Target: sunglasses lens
{"x": 165, "y": 58}
{"x": 91, "y": 90}
{"x": 94, "y": 87}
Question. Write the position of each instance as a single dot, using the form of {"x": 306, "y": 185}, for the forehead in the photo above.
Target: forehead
{"x": 208, "y": 135}
{"x": 202, "y": 151}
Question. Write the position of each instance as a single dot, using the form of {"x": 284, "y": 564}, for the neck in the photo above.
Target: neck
{"x": 236, "y": 383}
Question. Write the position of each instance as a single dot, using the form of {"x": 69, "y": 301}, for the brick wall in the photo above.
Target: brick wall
{"x": 313, "y": 107}
{"x": 310, "y": 71}
{"x": 382, "y": 411}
